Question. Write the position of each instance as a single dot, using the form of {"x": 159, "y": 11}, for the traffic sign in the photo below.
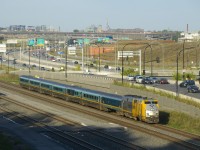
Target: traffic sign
{"x": 31, "y": 42}
{"x": 40, "y": 42}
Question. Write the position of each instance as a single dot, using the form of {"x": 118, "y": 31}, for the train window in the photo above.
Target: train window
{"x": 45, "y": 86}
{"x": 23, "y": 80}
{"x": 58, "y": 89}
{"x": 147, "y": 102}
{"x": 70, "y": 92}
{"x": 154, "y": 102}
{"x": 34, "y": 83}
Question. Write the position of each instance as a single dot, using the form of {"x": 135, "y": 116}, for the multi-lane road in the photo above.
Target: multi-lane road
{"x": 48, "y": 62}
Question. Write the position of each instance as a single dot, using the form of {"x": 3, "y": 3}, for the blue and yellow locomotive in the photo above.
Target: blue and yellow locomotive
{"x": 132, "y": 106}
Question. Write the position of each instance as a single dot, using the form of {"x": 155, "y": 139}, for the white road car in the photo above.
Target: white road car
{"x": 130, "y": 78}
{"x": 139, "y": 79}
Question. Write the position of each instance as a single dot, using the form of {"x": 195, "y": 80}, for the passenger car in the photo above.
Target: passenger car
{"x": 193, "y": 89}
{"x": 162, "y": 81}
{"x": 130, "y": 77}
{"x": 186, "y": 83}
{"x": 106, "y": 66}
{"x": 154, "y": 79}
{"x": 118, "y": 68}
{"x": 147, "y": 80}
{"x": 139, "y": 79}
{"x": 33, "y": 65}
{"x": 24, "y": 65}
{"x": 42, "y": 68}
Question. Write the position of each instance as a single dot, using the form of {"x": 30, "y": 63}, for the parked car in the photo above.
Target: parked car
{"x": 75, "y": 62}
{"x": 139, "y": 79}
{"x": 118, "y": 68}
{"x": 193, "y": 89}
{"x": 33, "y": 65}
{"x": 42, "y": 68}
{"x": 147, "y": 80}
{"x": 88, "y": 72}
{"x": 162, "y": 81}
{"x": 154, "y": 79}
{"x": 106, "y": 66}
{"x": 130, "y": 77}
{"x": 187, "y": 83}
{"x": 134, "y": 79}
{"x": 23, "y": 65}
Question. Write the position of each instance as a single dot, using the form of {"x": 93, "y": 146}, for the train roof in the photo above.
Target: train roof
{"x": 89, "y": 91}
{"x": 44, "y": 81}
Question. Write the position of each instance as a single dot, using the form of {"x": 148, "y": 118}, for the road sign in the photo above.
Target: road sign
{"x": 3, "y": 48}
{"x": 125, "y": 54}
{"x": 40, "y": 42}
{"x": 60, "y": 53}
{"x": 11, "y": 41}
{"x": 31, "y": 42}
{"x": 72, "y": 50}
{"x": 86, "y": 41}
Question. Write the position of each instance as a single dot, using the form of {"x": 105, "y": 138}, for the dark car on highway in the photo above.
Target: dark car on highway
{"x": 187, "y": 83}
{"x": 24, "y": 65}
{"x": 42, "y": 68}
{"x": 162, "y": 81}
{"x": 154, "y": 79}
{"x": 193, "y": 89}
{"x": 106, "y": 66}
{"x": 147, "y": 80}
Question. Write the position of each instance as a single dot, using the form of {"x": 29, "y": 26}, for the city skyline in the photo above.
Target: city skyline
{"x": 129, "y": 14}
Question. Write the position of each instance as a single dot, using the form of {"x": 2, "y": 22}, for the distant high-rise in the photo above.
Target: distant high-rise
{"x": 107, "y": 26}
{"x": 17, "y": 28}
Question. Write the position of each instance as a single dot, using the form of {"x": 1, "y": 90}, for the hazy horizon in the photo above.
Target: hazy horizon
{"x": 128, "y": 14}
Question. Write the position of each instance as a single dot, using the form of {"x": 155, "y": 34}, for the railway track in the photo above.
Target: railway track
{"x": 64, "y": 135}
{"x": 181, "y": 133}
{"x": 194, "y": 143}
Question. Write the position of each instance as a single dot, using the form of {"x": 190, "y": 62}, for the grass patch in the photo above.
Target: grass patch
{"x": 180, "y": 121}
{"x": 11, "y": 78}
{"x": 161, "y": 93}
{"x": 4, "y": 67}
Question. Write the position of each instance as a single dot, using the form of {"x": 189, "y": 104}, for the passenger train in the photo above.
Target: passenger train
{"x": 132, "y": 106}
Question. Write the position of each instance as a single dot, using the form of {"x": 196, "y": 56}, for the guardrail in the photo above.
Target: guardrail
{"x": 153, "y": 88}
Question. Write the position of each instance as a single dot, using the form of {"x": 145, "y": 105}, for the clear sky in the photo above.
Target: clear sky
{"x": 80, "y": 14}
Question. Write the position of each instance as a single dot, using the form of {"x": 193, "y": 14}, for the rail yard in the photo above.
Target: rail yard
{"x": 49, "y": 116}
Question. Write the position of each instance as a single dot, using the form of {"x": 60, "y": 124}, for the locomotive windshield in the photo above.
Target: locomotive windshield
{"x": 151, "y": 102}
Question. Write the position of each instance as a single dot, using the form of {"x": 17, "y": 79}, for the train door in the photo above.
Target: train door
{"x": 135, "y": 108}
{"x": 100, "y": 102}
{"x": 139, "y": 110}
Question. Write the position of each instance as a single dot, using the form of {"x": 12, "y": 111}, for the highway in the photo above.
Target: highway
{"x": 49, "y": 64}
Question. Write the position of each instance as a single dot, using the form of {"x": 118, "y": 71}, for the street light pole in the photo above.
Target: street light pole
{"x": 177, "y": 92}
{"x": 148, "y": 45}
{"x": 66, "y": 51}
{"x": 196, "y": 55}
{"x": 99, "y": 55}
{"x": 29, "y": 61}
{"x": 39, "y": 58}
{"x": 178, "y": 54}
{"x": 8, "y": 62}
{"x": 123, "y": 61}
{"x": 1, "y": 61}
